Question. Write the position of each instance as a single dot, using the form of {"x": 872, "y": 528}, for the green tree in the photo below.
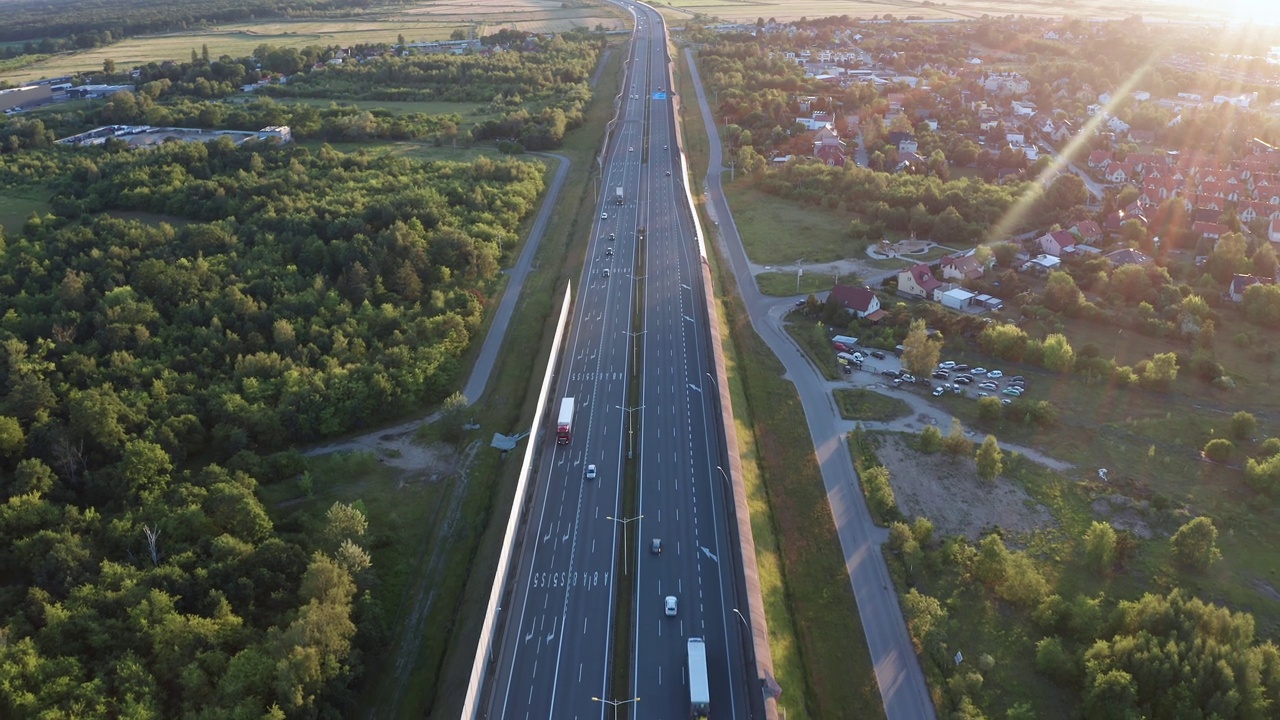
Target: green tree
{"x": 956, "y": 445}
{"x": 930, "y": 440}
{"x": 991, "y": 566}
{"x": 109, "y": 66}
{"x": 1161, "y": 371}
{"x": 1243, "y": 425}
{"x": 1054, "y": 661}
{"x": 925, "y": 616}
{"x": 1195, "y": 545}
{"x": 990, "y": 409}
{"x": 990, "y": 460}
{"x": 1100, "y": 547}
{"x": 1061, "y": 293}
{"x": 1058, "y": 355}
{"x": 344, "y": 522}
{"x": 1262, "y": 304}
{"x": 1264, "y": 261}
{"x": 12, "y": 440}
{"x": 1219, "y": 450}
{"x": 920, "y": 352}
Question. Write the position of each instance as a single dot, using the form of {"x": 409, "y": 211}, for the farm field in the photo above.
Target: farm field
{"x": 424, "y": 22}
{"x": 739, "y": 10}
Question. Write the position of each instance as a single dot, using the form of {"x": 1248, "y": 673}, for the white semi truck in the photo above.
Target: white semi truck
{"x": 699, "y": 690}
{"x": 564, "y": 423}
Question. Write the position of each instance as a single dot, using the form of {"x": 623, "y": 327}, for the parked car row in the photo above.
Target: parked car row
{"x": 987, "y": 381}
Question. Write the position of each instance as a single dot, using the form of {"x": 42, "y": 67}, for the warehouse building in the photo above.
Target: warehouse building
{"x": 25, "y": 97}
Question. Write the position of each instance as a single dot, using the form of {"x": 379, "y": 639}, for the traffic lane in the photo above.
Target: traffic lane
{"x": 549, "y": 579}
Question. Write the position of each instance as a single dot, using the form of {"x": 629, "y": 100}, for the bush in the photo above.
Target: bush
{"x": 1269, "y": 447}
{"x": 1195, "y": 545}
{"x": 931, "y": 440}
{"x": 879, "y": 491}
{"x": 1219, "y": 450}
{"x": 1243, "y": 425}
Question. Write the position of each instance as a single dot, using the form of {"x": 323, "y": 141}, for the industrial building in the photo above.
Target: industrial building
{"x": 141, "y": 136}
{"x": 25, "y": 97}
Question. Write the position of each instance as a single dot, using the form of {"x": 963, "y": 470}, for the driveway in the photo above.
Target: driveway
{"x": 902, "y": 684}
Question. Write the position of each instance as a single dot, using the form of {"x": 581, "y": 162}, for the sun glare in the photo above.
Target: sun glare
{"x": 1250, "y": 12}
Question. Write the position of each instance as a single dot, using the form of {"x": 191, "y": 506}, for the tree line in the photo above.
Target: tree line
{"x": 151, "y": 369}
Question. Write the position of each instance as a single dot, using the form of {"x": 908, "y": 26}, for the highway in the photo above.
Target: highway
{"x": 555, "y": 653}
{"x": 682, "y": 496}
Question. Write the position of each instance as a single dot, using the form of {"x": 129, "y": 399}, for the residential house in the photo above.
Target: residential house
{"x": 918, "y": 281}
{"x": 961, "y": 268}
{"x": 1117, "y": 125}
{"x": 817, "y": 122}
{"x": 1128, "y": 256}
{"x": 1117, "y": 172}
{"x": 1240, "y": 283}
{"x": 1088, "y": 230}
{"x": 1099, "y": 159}
{"x": 1273, "y": 230}
{"x": 1062, "y": 132}
{"x": 1209, "y": 230}
{"x": 860, "y": 301}
{"x": 1056, "y": 242}
{"x": 1142, "y": 136}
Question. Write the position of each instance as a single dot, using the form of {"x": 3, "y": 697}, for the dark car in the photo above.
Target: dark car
{"x": 848, "y": 370}
{"x": 889, "y": 373}
{"x": 1017, "y": 378}
{"x": 877, "y": 354}
{"x": 941, "y": 375}
{"x": 963, "y": 380}
{"x": 961, "y": 368}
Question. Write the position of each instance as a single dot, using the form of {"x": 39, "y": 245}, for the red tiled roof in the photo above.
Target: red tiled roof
{"x": 853, "y": 298}
{"x": 924, "y": 277}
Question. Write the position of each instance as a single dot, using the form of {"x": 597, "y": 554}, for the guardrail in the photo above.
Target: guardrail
{"x": 484, "y": 648}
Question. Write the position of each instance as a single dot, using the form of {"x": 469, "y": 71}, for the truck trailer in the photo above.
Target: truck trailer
{"x": 564, "y": 423}
{"x": 699, "y": 690}
{"x": 617, "y": 195}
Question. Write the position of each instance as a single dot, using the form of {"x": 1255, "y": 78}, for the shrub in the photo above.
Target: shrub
{"x": 1195, "y": 545}
{"x": 930, "y": 440}
{"x": 1218, "y": 450}
{"x": 1243, "y": 425}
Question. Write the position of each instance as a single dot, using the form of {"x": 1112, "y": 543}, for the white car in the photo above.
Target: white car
{"x": 995, "y": 374}
{"x": 631, "y": 149}
{"x": 670, "y": 606}
{"x": 591, "y": 472}
{"x": 938, "y": 391}
{"x": 978, "y": 371}
{"x": 948, "y": 365}
{"x": 604, "y": 216}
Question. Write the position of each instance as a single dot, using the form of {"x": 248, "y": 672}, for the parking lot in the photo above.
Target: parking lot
{"x": 949, "y": 377}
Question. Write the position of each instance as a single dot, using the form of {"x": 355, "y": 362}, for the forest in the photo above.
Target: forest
{"x": 539, "y": 86}
{"x": 257, "y": 297}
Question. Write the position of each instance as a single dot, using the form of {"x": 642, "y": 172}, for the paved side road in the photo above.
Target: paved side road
{"x": 902, "y": 683}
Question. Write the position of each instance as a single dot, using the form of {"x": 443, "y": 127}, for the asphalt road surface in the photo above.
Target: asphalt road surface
{"x": 556, "y": 651}
{"x": 901, "y": 680}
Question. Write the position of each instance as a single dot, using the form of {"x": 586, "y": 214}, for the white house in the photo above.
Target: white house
{"x": 861, "y": 301}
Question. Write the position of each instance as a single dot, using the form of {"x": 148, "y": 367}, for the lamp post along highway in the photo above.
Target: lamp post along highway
{"x": 615, "y": 703}
{"x": 635, "y": 344}
{"x": 631, "y": 428}
{"x": 624, "y": 522}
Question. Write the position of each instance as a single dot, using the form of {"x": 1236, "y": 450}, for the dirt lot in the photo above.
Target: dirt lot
{"x": 951, "y": 495}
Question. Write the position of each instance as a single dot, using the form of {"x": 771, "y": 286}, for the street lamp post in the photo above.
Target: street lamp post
{"x": 615, "y": 703}
{"x": 631, "y": 428}
{"x": 635, "y": 343}
{"x": 799, "y": 272}
{"x": 624, "y": 522}
{"x": 745, "y": 625}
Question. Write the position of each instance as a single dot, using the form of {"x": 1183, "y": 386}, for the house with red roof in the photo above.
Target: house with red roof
{"x": 918, "y": 281}
{"x": 860, "y": 301}
{"x": 1273, "y": 230}
{"x": 1056, "y": 242}
{"x": 1099, "y": 159}
{"x": 961, "y": 268}
{"x": 1209, "y": 230}
{"x": 1088, "y": 230}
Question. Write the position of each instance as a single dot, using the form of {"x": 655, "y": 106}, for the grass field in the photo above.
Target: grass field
{"x": 777, "y": 231}
{"x": 414, "y": 150}
{"x": 782, "y": 284}
{"x": 863, "y": 404}
{"x": 815, "y": 635}
{"x": 15, "y": 209}
{"x": 423, "y": 22}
